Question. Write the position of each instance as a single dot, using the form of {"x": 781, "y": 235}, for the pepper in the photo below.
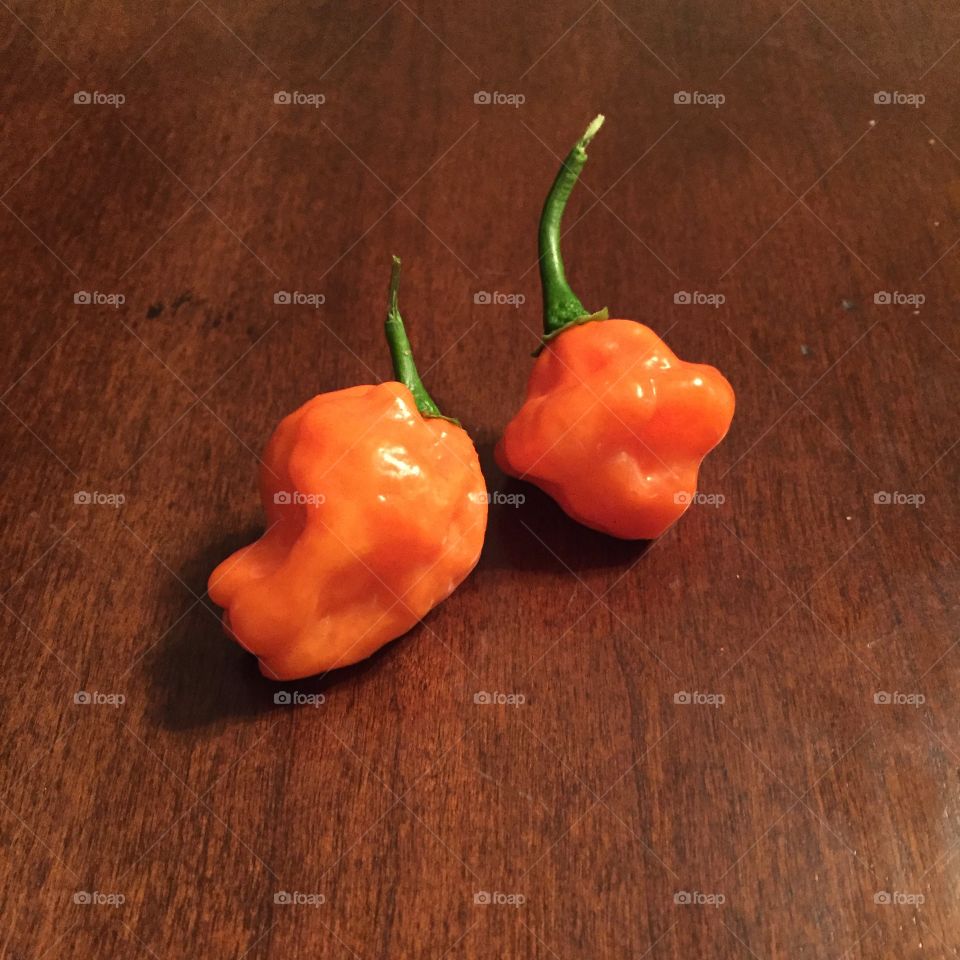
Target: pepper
{"x": 376, "y": 509}
{"x": 614, "y": 425}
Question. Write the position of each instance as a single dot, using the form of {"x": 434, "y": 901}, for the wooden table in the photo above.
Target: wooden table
{"x": 803, "y": 802}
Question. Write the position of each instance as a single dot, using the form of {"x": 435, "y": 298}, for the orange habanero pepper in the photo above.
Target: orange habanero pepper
{"x": 376, "y": 511}
{"x": 614, "y": 425}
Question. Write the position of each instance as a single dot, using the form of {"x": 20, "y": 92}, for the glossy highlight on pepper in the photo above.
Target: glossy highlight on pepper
{"x": 376, "y": 512}
{"x": 614, "y": 426}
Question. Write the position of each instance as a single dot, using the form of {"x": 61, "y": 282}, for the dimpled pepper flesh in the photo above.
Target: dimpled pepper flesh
{"x": 376, "y": 511}
{"x": 375, "y": 514}
{"x": 614, "y": 427}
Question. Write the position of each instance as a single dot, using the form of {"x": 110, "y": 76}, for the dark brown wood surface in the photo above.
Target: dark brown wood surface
{"x": 790, "y": 807}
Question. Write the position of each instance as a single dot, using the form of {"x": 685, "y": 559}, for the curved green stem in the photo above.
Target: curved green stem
{"x": 403, "y": 366}
{"x": 561, "y": 307}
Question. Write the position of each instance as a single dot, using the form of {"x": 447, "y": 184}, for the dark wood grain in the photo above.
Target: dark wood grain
{"x": 798, "y": 599}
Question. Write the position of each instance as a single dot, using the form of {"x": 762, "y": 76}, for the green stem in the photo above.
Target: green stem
{"x": 403, "y": 366}
{"x": 561, "y": 307}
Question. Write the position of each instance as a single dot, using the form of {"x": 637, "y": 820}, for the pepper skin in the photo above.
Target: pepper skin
{"x": 376, "y": 511}
{"x": 614, "y": 426}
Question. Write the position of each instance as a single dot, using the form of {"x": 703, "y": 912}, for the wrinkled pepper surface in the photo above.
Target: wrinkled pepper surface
{"x": 614, "y": 425}
{"x": 376, "y": 509}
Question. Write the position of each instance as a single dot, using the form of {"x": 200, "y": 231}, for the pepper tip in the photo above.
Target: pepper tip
{"x": 394, "y": 284}
{"x": 591, "y": 131}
